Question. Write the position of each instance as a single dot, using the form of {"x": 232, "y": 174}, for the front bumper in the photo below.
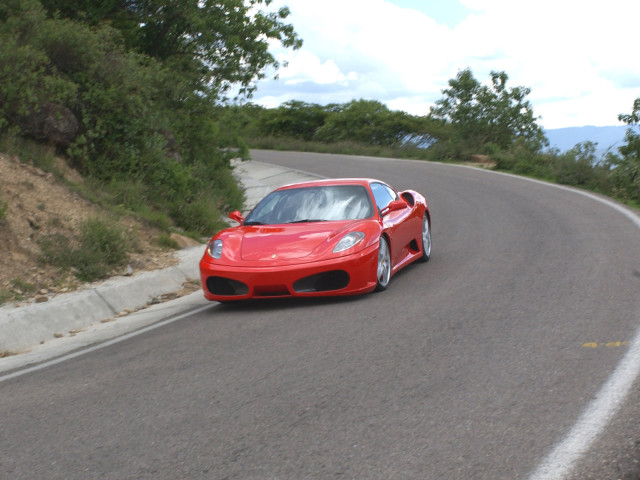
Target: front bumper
{"x": 346, "y": 275}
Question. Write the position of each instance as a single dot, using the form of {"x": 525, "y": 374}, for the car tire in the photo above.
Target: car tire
{"x": 426, "y": 239}
{"x": 383, "y": 268}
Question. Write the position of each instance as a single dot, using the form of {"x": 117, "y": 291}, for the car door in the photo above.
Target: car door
{"x": 394, "y": 222}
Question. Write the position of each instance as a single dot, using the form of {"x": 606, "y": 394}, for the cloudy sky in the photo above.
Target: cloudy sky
{"x": 579, "y": 57}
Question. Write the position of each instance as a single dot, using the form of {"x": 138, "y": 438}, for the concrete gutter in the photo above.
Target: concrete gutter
{"x": 27, "y": 326}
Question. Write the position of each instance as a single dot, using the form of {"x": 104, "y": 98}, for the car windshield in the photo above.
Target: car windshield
{"x": 312, "y": 204}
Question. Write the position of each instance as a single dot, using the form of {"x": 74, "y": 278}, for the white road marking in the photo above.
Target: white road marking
{"x": 99, "y": 346}
{"x": 561, "y": 460}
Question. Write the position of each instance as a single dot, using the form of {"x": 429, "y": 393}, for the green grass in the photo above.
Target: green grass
{"x": 166, "y": 241}
{"x": 3, "y": 211}
{"x": 102, "y": 247}
{"x": 5, "y": 296}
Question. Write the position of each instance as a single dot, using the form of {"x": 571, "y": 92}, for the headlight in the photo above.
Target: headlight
{"x": 348, "y": 241}
{"x": 215, "y": 248}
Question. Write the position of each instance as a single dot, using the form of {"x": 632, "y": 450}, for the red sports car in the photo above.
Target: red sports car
{"x": 327, "y": 237}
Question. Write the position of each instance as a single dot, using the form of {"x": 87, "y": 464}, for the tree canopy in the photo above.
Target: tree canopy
{"x": 216, "y": 44}
{"x": 129, "y": 90}
{"x": 625, "y": 167}
{"x": 487, "y": 114}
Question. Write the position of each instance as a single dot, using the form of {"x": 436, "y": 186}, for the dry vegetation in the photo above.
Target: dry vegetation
{"x": 37, "y": 206}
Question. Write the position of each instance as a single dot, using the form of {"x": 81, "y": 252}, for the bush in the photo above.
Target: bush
{"x": 166, "y": 241}
{"x": 101, "y": 248}
{"x": 576, "y": 166}
{"x": 3, "y": 211}
{"x": 200, "y": 215}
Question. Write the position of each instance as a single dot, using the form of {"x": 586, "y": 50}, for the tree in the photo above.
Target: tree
{"x": 140, "y": 83}
{"x": 215, "y": 44}
{"x": 577, "y": 166}
{"x": 625, "y": 169}
{"x": 367, "y": 121}
{"x": 293, "y": 119}
{"x": 492, "y": 114}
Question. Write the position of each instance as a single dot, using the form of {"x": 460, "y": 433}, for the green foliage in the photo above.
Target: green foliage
{"x": 293, "y": 119}
{"x": 102, "y": 247}
{"x": 576, "y": 167}
{"x": 5, "y": 295}
{"x": 483, "y": 114}
{"x": 3, "y": 211}
{"x": 211, "y": 45}
{"x": 625, "y": 167}
{"x": 42, "y": 156}
{"x": 166, "y": 241}
{"x": 144, "y": 81}
{"x": 366, "y": 121}
{"x": 27, "y": 82}
{"x": 201, "y": 216}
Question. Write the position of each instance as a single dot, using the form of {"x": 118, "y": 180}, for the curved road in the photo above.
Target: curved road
{"x": 474, "y": 365}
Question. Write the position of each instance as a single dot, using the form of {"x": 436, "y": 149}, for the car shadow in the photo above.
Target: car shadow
{"x": 271, "y": 304}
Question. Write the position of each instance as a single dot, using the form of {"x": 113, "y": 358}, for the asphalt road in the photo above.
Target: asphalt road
{"x": 472, "y": 366}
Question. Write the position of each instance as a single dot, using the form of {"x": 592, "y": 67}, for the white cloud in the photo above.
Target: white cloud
{"x": 304, "y": 66}
{"x": 578, "y": 57}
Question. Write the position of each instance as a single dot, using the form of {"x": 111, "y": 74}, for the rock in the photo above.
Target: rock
{"x": 41, "y": 299}
{"x": 128, "y": 271}
{"x": 53, "y": 123}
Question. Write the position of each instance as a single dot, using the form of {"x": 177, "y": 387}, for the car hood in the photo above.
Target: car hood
{"x": 287, "y": 242}
{"x": 269, "y": 245}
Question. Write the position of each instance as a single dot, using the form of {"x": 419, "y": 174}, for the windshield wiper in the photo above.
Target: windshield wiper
{"x": 253, "y": 223}
{"x": 307, "y": 220}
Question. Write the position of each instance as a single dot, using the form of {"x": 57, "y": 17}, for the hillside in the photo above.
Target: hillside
{"x": 37, "y": 205}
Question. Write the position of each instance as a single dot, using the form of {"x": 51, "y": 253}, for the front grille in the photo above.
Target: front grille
{"x": 322, "y": 282}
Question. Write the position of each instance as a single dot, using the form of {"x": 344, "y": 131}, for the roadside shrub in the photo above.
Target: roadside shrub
{"x": 3, "y": 211}
{"x": 55, "y": 250}
{"x": 166, "y": 241}
{"x": 201, "y": 216}
{"x": 576, "y": 166}
{"x": 5, "y": 295}
{"x": 104, "y": 240}
{"x": 101, "y": 248}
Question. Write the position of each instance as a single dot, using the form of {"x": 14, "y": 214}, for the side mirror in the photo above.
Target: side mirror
{"x": 393, "y": 206}
{"x": 236, "y": 216}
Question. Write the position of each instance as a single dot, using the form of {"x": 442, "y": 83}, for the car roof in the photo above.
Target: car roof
{"x": 331, "y": 182}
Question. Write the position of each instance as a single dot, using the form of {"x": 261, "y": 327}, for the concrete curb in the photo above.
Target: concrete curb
{"x": 24, "y": 327}
{"x": 31, "y": 324}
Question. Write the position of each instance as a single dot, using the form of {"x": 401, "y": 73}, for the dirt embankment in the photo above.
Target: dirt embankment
{"x": 35, "y": 205}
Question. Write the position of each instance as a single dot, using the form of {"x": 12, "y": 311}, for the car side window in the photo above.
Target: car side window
{"x": 382, "y": 194}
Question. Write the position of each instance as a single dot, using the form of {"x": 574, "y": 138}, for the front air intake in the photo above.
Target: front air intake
{"x": 226, "y": 286}
{"x": 322, "y": 282}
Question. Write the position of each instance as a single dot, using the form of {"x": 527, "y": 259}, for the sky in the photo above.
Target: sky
{"x": 578, "y": 57}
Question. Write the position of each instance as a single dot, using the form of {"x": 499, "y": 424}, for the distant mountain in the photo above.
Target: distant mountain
{"x": 566, "y": 138}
